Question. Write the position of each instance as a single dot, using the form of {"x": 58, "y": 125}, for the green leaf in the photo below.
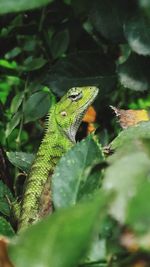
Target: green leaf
{"x": 7, "y": 6}
{"x": 142, "y": 130}
{"x": 5, "y": 197}
{"x": 124, "y": 177}
{"x": 135, "y": 73}
{"x": 137, "y": 32}
{"x": 31, "y": 64}
{"x": 5, "y": 89}
{"x": 21, "y": 160}
{"x": 139, "y": 209}
{"x": 125, "y": 52}
{"x": 13, "y": 53}
{"x": 8, "y": 65}
{"x": 60, "y": 43}
{"x": 145, "y": 6}
{"x": 144, "y": 3}
{"x": 108, "y": 18}
{"x": 78, "y": 69}
{"x": 16, "y": 102}
{"x": 37, "y": 106}
{"x": 97, "y": 251}
{"x": 13, "y": 123}
{"x": 5, "y": 228}
{"x": 61, "y": 239}
{"x": 23, "y": 136}
{"x": 72, "y": 180}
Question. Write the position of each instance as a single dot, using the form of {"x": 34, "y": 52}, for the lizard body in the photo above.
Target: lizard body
{"x": 63, "y": 122}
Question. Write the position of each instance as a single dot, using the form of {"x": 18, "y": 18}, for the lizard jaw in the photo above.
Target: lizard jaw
{"x": 71, "y": 133}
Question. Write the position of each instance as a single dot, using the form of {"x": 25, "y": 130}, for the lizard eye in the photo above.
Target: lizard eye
{"x": 75, "y": 96}
{"x": 63, "y": 113}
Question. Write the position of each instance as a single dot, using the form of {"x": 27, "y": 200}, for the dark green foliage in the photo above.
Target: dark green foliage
{"x": 46, "y": 47}
{"x": 5, "y": 198}
{"x": 6, "y": 228}
{"x": 76, "y": 169}
{"x": 21, "y": 160}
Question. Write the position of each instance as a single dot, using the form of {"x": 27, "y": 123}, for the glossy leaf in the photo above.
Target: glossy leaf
{"x": 142, "y": 130}
{"x": 16, "y": 102}
{"x": 135, "y": 73}
{"x": 108, "y": 18}
{"x": 137, "y": 32}
{"x": 72, "y": 179}
{"x": 36, "y": 106}
{"x": 21, "y": 160}
{"x": 13, "y": 123}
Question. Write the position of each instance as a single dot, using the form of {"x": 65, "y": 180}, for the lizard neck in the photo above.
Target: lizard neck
{"x": 55, "y": 135}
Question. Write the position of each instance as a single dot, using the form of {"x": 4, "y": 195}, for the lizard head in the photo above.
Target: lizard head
{"x": 71, "y": 108}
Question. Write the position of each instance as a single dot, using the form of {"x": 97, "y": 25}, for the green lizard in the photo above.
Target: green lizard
{"x": 63, "y": 122}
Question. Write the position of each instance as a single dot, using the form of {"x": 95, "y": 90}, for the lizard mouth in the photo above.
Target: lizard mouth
{"x": 74, "y": 127}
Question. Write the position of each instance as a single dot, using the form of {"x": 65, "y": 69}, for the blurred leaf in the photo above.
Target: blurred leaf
{"x": 16, "y": 102}
{"x": 31, "y": 64}
{"x": 97, "y": 251}
{"x": 135, "y": 73}
{"x": 60, "y": 43}
{"x": 145, "y": 6}
{"x": 138, "y": 209}
{"x": 144, "y": 3}
{"x": 30, "y": 44}
{"x": 71, "y": 180}
{"x": 14, "y": 80}
{"x": 68, "y": 2}
{"x": 142, "y": 130}
{"x": 21, "y": 160}
{"x": 37, "y": 106}
{"x": 100, "y": 264}
{"x": 5, "y": 228}
{"x": 13, "y": 123}
{"x": 125, "y": 52}
{"x": 5, "y": 198}
{"x": 4, "y": 90}
{"x": 137, "y": 32}
{"x": 13, "y": 53}
{"x": 79, "y": 69}
{"x": 124, "y": 177}
{"x": 7, "y": 6}
{"x": 64, "y": 237}
{"x": 140, "y": 103}
{"x": 108, "y": 18}
{"x": 9, "y": 65}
